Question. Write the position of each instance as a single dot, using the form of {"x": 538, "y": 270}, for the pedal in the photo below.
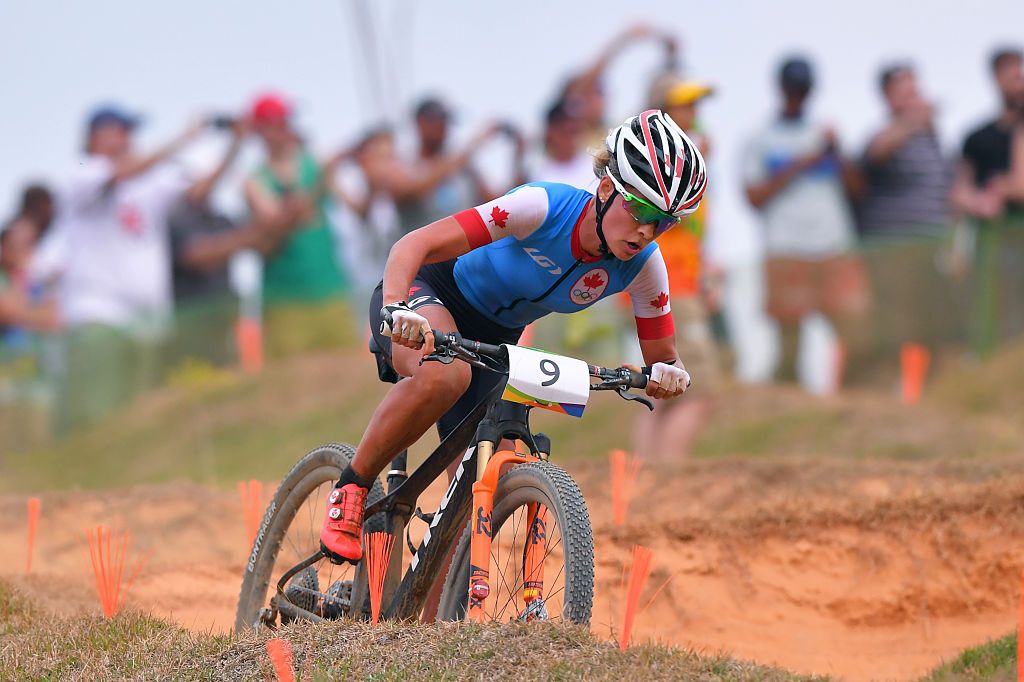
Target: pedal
{"x": 338, "y": 599}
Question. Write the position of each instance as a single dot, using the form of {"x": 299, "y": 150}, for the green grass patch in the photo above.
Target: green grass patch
{"x": 993, "y": 660}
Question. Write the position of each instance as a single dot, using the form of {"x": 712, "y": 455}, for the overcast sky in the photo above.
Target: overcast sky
{"x": 171, "y": 60}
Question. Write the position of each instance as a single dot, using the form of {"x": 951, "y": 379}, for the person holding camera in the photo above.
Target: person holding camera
{"x": 801, "y": 184}
{"x": 115, "y": 292}
{"x": 439, "y": 182}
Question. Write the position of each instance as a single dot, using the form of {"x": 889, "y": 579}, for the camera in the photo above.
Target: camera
{"x": 222, "y": 122}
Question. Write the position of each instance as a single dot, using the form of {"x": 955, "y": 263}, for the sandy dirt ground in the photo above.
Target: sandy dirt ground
{"x": 866, "y": 570}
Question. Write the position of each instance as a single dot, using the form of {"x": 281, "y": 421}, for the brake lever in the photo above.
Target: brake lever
{"x": 624, "y": 393}
{"x": 446, "y": 358}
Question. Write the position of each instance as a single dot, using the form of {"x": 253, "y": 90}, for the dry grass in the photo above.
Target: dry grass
{"x": 36, "y": 646}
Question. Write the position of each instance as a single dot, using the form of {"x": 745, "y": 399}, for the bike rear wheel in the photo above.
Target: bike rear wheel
{"x": 290, "y": 532}
{"x": 567, "y": 558}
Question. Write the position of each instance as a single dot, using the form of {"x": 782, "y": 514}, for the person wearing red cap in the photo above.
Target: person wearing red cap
{"x": 288, "y": 189}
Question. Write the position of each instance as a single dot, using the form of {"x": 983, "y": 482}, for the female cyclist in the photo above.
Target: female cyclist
{"x": 489, "y": 271}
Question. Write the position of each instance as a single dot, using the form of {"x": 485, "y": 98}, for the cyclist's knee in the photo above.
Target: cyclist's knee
{"x": 445, "y": 383}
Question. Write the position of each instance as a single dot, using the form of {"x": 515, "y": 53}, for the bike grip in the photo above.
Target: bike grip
{"x": 639, "y": 379}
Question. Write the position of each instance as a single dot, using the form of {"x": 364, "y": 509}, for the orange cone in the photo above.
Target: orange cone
{"x": 914, "y": 361}
{"x": 624, "y": 469}
{"x": 637, "y": 578}
{"x": 378, "y": 556}
{"x": 33, "y": 523}
{"x": 280, "y": 652}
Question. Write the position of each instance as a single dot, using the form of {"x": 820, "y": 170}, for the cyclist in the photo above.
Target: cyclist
{"x": 489, "y": 271}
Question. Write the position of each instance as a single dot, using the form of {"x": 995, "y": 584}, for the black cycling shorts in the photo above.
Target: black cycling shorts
{"x": 435, "y": 285}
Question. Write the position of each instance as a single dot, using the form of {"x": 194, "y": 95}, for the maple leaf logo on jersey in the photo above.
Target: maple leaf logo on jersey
{"x": 499, "y": 217}
{"x": 593, "y": 281}
{"x": 660, "y": 302}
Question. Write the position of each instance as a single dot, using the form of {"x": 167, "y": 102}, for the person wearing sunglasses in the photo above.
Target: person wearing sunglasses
{"x": 490, "y": 270}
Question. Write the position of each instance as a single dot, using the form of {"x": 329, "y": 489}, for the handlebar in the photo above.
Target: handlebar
{"x": 611, "y": 378}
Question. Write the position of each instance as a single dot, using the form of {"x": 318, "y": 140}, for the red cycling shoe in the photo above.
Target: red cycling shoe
{"x": 341, "y": 537}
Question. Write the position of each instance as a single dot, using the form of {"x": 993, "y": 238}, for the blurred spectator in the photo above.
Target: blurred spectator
{"x": 988, "y": 189}
{"x": 674, "y": 430}
{"x": 585, "y": 93}
{"x": 203, "y": 242}
{"x": 799, "y": 181}
{"x": 25, "y": 304}
{"x": 438, "y": 183}
{"x": 302, "y": 266}
{"x": 303, "y": 283}
{"x": 904, "y": 219}
{"x": 22, "y": 308}
{"x": 116, "y": 287}
{"x": 37, "y": 209}
{"x": 376, "y": 228}
{"x": 980, "y": 186}
{"x": 565, "y": 161}
{"x": 907, "y": 181}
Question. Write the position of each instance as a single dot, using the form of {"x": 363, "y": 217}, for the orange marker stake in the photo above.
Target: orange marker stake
{"x": 108, "y": 562}
{"x": 378, "y": 554}
{"x": 251, "y": 494}
{"x": 255, "y": 508}
{"x": 624, "y": 470}
{"x": 838, "y": 366}
{"x": 33, "y": 523}
{"x": 637, "y": 578}
{"x": 280, "y": 653}
{"x": 914, "y": 361}
{"x": 249, "y": 338}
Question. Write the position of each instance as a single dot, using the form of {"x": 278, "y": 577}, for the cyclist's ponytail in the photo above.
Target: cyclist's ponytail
{"x": 604, "y": 160}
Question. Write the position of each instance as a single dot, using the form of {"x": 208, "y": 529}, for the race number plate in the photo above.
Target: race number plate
{"x": 552, "y": 382}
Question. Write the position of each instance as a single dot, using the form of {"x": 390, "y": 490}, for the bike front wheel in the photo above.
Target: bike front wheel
{"x": 542, "y": 551}
{"x": 290, "y": 532}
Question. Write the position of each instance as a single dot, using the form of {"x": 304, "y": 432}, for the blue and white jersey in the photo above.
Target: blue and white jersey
{"x": 527, "y": 262}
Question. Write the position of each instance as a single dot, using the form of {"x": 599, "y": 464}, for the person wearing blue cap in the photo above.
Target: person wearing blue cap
{"x": 801, "y": 184}
{"x": 115, "y": 292}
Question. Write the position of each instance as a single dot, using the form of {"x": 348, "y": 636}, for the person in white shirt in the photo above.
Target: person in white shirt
{"x": 115, "y": 289}
{"x": 565, "y": 160}
{"x": 801, "y": 184}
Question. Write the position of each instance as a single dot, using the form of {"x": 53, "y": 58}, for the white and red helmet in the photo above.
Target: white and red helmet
{"x": 656, "y": 157}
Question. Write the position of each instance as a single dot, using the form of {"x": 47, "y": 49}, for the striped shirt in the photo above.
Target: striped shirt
{"x": 908, "y": 193}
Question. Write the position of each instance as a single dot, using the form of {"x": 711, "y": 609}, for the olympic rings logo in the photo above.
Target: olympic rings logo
{"x": 581, "y": 294}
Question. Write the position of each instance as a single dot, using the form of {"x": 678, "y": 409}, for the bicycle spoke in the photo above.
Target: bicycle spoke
{"x": 518, "y": 514}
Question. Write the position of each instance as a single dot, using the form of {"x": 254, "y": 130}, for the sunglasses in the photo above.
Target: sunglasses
{"x": 643, "y": 212}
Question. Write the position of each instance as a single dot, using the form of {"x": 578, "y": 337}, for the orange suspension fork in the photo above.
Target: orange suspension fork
{"x": 489, "y": 468}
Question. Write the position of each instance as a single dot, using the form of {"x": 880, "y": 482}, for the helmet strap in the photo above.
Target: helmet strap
{"x": 602, "y": 208}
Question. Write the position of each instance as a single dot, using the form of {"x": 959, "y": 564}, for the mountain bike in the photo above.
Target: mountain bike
{"x": 512, "y": 527}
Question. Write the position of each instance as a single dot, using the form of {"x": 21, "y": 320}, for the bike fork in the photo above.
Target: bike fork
{"x": 489, "y": 468}
{"x": 480, "y": 541}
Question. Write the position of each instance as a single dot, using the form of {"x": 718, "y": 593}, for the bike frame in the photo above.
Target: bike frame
{"x": 472, "y": 486}
{"x": 491, "y": 421}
